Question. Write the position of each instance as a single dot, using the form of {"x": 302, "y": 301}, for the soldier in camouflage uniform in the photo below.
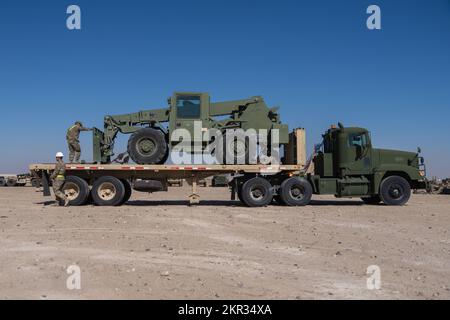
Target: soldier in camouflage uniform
{"x": 58, "y": 178}
{"x": 73, "y": 135}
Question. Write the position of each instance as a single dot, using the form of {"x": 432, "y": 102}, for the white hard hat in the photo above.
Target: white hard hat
{"x": 59, "y": 155}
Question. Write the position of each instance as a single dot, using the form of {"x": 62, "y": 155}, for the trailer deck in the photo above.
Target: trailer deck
{"x": 191, "y": 173}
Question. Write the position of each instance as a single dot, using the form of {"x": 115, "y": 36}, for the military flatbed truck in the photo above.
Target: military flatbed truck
{"x": 345, "y": 165}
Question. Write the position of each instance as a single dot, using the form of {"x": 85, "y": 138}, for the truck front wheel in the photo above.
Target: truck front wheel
{"x": 296, "y": 192}
{"x": 148, "y": 146}
{"x": 395, "y": 191}
{"x": 108, "y": 191}
{"x": 257, "y": 192}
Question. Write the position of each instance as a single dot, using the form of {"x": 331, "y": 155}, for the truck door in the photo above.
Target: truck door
{"x": 189, "y": 109}
{"x": 359, "y": 155}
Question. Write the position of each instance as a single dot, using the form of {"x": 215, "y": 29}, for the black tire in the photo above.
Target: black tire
{"x": 148, "y": 146}
{"x": 108, "y": 191}
{"x": 373, "y": 200}
{"x": 128, "y": 191}
{"x": 2, "y": 182}
{"x": 395, "y": 191}
{"x": 11, "y": 183}
{"x": 296, "y": 192}
{"x": 257, "y": 192}
{"x": 77, "y": 190}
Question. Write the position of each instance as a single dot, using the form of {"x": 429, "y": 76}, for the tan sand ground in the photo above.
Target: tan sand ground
{"x": 157, "y": 247}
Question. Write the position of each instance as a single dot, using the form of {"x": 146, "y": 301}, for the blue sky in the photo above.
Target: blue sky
{"x": 314, "y": 59}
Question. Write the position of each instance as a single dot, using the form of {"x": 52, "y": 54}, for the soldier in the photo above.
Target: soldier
{"x": 58, "y": 178}
{"x": 73, "y": 135}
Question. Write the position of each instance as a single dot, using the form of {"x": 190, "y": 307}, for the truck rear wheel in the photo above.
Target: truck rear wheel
{"x": 148, "y": 146}
{"x": 296, "y": 192}
{"x": 395, "y": 191}
{"x": 257, "y": 192}
{"x": 77, "y": 190}
{"x": 108, "y": 191}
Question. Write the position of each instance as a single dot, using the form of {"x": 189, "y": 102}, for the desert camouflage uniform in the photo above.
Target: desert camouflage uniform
{"x": 58, "y": 178}
{"x": 73, "y": 142}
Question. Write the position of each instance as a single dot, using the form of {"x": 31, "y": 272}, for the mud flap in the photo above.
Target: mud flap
{"x": 45, "y": 184}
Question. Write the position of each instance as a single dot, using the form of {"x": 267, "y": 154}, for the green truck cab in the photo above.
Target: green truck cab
{"x": 347, "y": 165}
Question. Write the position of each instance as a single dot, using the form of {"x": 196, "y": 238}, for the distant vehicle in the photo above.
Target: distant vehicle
{"x": 14, "y": 180}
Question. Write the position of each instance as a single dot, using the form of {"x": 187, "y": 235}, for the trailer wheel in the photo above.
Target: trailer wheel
{"x": 77, "y": 190}
{"x": 257, "y": 192}
{"x": 108, "y": 191}
{"x": 296, "y": 192}
{"x": 395, "y": 191}
{"x": 148, "y": 146}
{"x": 2, "y": 182}
{"x": 128, "y": 191}
{"x": 11, "y": 183}
{"x": 371, "y": 200}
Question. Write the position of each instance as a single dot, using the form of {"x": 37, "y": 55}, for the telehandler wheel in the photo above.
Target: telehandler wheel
{"x": 395, "y": 191}
{"x": 296, "y": 192}
{"x": 128, "y": 191}
{"x": 371, "y": 200}
{"x": 77, "y": 190}
{"x": 148, "y": 146}
{"x": 108, "y": 191}
{"x": 257, "y": 192}
{"x": 232, "y": 151}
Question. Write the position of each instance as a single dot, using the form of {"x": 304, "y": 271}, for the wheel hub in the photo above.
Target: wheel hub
{"x": 146, "y": 146}
{"x": 71, "y": 190}
{"x": 395, "y": 191}
{"x": 257, "y": 193}
{"x": 107, "y": 191}
{"x": 296, "y": 192}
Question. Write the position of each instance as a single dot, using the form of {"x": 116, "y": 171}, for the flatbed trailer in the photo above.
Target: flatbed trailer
{"x": 104, "y": 182}
{"x": 113, "y": 184}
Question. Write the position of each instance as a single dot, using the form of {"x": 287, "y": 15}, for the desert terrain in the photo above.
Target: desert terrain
{"x": 158, "y": 247}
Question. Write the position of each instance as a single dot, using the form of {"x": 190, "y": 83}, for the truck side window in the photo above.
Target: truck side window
{"x": 357, "y": 140}
{"x": 188, "y": 107}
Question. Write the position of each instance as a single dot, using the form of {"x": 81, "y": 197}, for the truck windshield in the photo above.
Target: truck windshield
{"x": 188, "y": 107}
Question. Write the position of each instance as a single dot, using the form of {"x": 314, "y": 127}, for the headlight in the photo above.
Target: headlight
{"x": 422, "y": 173}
